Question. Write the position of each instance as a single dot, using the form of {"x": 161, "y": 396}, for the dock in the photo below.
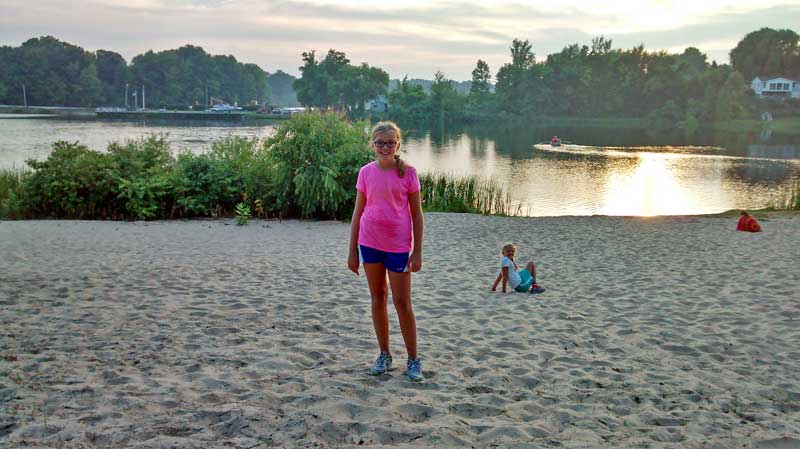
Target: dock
{"x": 211, "y": 116}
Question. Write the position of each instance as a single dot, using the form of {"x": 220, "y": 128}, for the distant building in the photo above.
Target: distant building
{"x": 380, "y": 104}
{"x": 223, "y": 107}
{"x": 289, "y": 111}
{"x": 776, "y": 87}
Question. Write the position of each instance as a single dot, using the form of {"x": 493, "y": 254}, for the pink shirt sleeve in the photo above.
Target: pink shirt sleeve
{"x": 412, "y": 181}
{"x": 361, "y": 185}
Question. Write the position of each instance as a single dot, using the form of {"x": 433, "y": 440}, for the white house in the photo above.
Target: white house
{"x": 776, "y": 87}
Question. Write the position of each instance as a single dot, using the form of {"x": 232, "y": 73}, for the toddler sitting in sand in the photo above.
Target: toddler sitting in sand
{"x": 747, "y": 223}
{"x": 523, "y": 280}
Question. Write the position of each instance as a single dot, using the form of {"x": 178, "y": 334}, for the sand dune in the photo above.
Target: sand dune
{"x": 664, "y": 332}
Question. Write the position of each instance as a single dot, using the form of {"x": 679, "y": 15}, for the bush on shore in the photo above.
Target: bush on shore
{"x": 308, "y": 169}
{"x": 315, "y": 161}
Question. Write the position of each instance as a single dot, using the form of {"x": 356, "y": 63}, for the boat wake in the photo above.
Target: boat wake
{"x": 661, "y": 151}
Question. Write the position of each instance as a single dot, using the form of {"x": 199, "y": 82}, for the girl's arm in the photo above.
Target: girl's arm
{"x": 497, "y": 281}
{"x": 352, "y": 258}
{"x": 505, "y": 278}
{"x": 417, "y": 220}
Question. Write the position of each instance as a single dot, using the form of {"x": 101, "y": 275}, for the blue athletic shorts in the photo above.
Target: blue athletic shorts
{"x": 397, "y": 262}
{"x": 527, "y": 281}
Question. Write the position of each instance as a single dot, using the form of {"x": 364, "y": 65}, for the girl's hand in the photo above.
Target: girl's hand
{"x": 353, "y": 262}
{"x": 415, "y": 262}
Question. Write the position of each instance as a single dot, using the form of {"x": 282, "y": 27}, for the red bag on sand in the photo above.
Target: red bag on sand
{"x": 748, "y": 224}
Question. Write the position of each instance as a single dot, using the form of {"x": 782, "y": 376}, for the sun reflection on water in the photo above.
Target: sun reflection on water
{"x": 610, "y": 180}
{"x": 648, "y": 189}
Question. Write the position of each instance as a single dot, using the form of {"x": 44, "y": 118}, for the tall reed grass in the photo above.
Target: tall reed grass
{"x": 11, "y": 192}
{"x": 792, "y": 199}
{"x": 468, "y": 194}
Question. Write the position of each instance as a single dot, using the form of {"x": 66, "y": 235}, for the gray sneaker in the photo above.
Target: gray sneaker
{"x": 414, "y": 370}
{"x": 382, "y": 364}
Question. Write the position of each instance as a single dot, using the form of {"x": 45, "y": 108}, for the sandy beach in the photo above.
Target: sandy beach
{"x": 653, "y": 333}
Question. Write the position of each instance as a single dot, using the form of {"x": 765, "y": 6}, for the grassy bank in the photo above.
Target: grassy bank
{"x": 790, "y": 126}
{"x": 594, "y": 122}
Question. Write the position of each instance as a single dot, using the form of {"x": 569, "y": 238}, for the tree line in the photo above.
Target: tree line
{"x": 57, "y": 73}
{"x": 598, "y": 81}
{"x": 593, "y": 80}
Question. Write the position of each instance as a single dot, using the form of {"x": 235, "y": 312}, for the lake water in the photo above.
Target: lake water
{"x": 598, "y": 171}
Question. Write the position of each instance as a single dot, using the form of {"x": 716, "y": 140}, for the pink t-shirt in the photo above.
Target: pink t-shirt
{"x": 386, "y": 222}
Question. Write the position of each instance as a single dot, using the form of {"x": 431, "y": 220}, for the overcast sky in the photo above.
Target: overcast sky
{"x": 411, "y": 37}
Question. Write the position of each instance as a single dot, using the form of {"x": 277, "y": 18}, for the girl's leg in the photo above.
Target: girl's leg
{"x": 378, "y": 291}
{"x": 401, "y": 296}
{"x": 531, "y": 267}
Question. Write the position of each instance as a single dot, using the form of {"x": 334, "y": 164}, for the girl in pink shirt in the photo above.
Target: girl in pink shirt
{"x": 387, "y": 215}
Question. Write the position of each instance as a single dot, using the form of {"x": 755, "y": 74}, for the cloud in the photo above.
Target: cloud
{"x": 715, "y": 35}
{"x": 414, "y": 37}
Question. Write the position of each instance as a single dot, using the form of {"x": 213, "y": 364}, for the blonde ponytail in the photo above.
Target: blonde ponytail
{"x": 401, "y": 165}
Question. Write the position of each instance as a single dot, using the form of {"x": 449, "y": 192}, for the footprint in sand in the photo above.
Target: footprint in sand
{"x": 469, "y": 410}
{"x": 218, "y": 331}
{"x": 417, "y": 413}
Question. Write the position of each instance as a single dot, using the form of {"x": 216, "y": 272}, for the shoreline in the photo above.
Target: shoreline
{"x": 789, "y": 126}
{"x": 656, "y": 332}
{"x": 764, "y": 213}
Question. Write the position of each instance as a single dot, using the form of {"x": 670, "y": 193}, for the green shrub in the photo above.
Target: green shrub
{"x": 130, "y": 181}
{"x": 205, "y": 186}
{"x": 248, "y": 160}
{"x": 73, "y": 182}
{"x": 142, "y": 171}
{"x": 147, "y": 155}
{"x": 146, "y": 197}
{"x": 315, "y": 160}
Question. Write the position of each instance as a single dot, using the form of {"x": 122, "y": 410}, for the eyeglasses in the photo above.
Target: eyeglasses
{"x": 384, "y": 144}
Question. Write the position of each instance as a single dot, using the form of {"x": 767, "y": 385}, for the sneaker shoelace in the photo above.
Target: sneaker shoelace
{"x": 414, "y": 365}
{"x": 383, "y": 359}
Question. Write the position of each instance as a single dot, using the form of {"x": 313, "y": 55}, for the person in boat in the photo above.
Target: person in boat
{"x": 555, "y": 141}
